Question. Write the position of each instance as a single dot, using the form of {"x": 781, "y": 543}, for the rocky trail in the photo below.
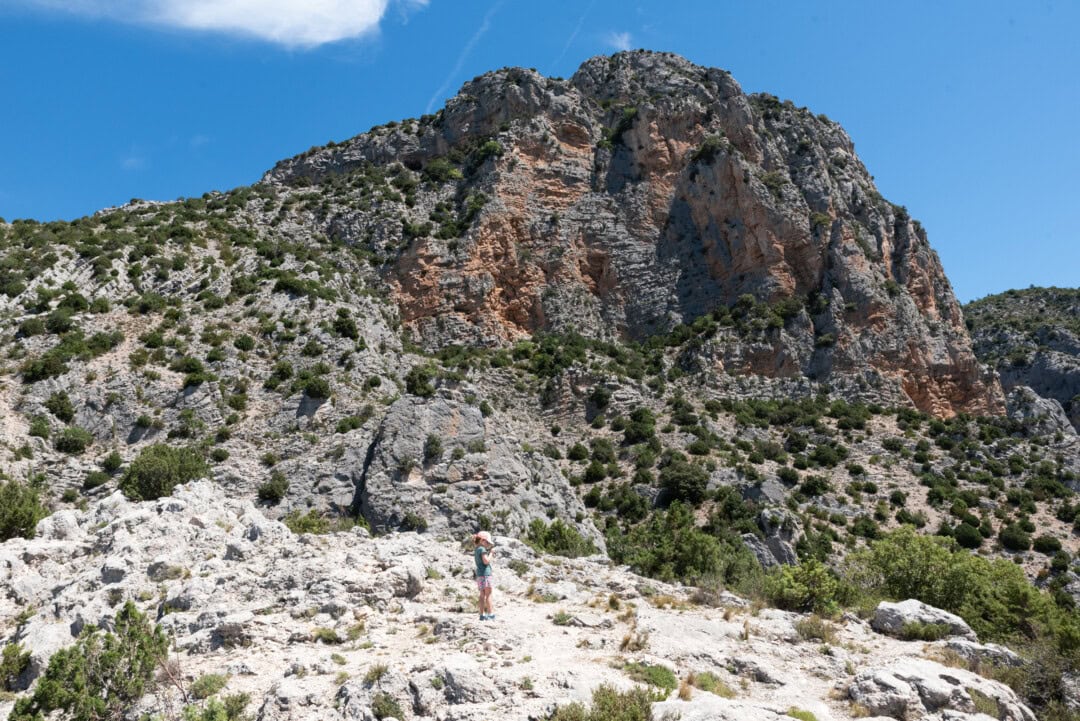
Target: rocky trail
{"x": 330, "y": 626}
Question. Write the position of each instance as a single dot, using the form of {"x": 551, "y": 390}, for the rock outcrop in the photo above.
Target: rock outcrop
{"x": 1032, "y": 338}
{"x": 645, "y": 192}
{"x": 350, "y": 626}
{"x": 894, "y": 618}
{"x": 435, "y": 466}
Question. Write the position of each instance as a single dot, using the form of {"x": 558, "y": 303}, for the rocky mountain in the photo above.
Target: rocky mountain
{"x": 665, "y": 334}
{"x": 1032, "y": 338}
{"x": 642, "y": 193}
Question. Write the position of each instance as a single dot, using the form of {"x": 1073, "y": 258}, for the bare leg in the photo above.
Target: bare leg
{"x": 487, "y": 600}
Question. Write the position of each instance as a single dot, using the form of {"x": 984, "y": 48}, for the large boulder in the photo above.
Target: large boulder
{"x": 781, "y": 531}
{"x": 912, "y": 687}
{"x": 892, "y": 618}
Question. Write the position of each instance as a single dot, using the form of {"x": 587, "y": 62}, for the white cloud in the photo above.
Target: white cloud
{"x": 619, "y": 41}
{"x": 293, "y": 23}
{"x": 133, "y": 162}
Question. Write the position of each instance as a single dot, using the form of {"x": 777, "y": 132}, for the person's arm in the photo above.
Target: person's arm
{"x": 486, "y": 556}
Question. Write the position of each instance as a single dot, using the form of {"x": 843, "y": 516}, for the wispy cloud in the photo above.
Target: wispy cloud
{"x": 465, "y": 52}
{"x": 197, "y": 141}
{"x": 573, "y": 36}
{"x": 292, "y": 23}
{"x": 133, "y": 162}
{"x": 619, "y": 41}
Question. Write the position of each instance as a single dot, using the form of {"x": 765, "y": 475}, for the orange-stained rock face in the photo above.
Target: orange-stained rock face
{"x": 645, "y": 192}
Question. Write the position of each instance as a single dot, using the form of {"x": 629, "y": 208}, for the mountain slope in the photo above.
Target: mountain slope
{"x": 642, "y": 193}
{"x": 635, "y": 313}
{"x": 1032, "y": 338}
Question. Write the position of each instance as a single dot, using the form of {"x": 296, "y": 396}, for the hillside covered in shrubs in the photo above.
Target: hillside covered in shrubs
{"x": 439, "y": 327}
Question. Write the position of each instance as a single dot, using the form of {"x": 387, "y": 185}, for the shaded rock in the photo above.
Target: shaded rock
{"x": 398, "y": 490}
{"x": 983, "y": 653}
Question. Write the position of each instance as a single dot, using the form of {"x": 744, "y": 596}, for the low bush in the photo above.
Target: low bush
{"x": 915, "y": 631}
{"x": 207, "y": 685}
{"x": 317, "y": 387}
{"x": 670, "y": 546}
{"x": 59, "y": 404}
{"x": 383, "y": 705}
{"x": 559, "y": 538}
{"x": 809, "y": 586}
{"x": 20, "y": 510}
{"x": 1014, "y": 538}
{"x": 13, "y": 662}
{"x": 158, "y": 469}
{"x": 73, "y": 440}
{"x": 609, "y": 705}
{"x": 102, "y": 676}
{"x": 652, "y": 674}
{"x": 1047, "y": 544}
{"x": 418, "y": 381}
{"x": 274, "y": 489}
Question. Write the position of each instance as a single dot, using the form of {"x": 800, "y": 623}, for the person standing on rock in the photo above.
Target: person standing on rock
{"x": 483, "y": 556}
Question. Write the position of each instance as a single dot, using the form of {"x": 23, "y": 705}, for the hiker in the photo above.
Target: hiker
{"x": 483, "y": 555}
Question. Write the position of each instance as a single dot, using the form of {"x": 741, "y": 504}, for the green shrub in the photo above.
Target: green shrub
{"x": 383, "y": 705}
{"x": 809, "y": 586}
{"x": 577, "y": 452}
{"x": 39, "y": 427}
{"x": 653, "y": 674}
{"x": 559, "y": 538}
{"x": 610, "y": 705}
{"x": 158, "y": 469}
{"x": 670, "y": 546}
{"x": 317, "y": 387}
{"x": 994, "y": 597}
{"x": 708, "y": 681}
{"x": 815, "y": 628}
{"x": 327, "y": 636}
{"x": 274, "y": 489}
{"x": 967, "y": 536}
{"x": 412, "y": 521}
{"x": 800, "y": 714}
{"x": 915, "y": 631}
{"x": 1047, "y": 544}
{"x": 59, "y": 404}
{"x": 418, "y": 381}
{"x": 112, "y": 462}
{"x": 95, "y": 479}
{"x": 73, "y": 440}
{"x": 1014, "y": 538}
{"x": 14, "y": 661}
{"x": 310, "y": 522}
{"x": 231, "y": 708}
{"x": 207, "y": 685}
{"x": 244, "y": 342}
{"x": 788, "y": 475}
{"x": 345, "y": 326}
{"x": 102, "y": 676}
{"x": 433, "y": 448}
{"x": 685, "y": 481}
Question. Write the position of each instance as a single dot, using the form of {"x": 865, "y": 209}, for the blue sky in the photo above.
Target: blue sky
{"x": 965, "y": 111}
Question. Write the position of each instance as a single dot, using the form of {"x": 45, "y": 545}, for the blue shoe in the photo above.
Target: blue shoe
{"x": 491, "y": 617}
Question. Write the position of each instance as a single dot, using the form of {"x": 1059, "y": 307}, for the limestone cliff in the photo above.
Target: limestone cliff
{"x": 645, "y": 192}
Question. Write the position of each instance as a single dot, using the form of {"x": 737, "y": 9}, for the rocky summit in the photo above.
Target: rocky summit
{"x": 711, "y": 393}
